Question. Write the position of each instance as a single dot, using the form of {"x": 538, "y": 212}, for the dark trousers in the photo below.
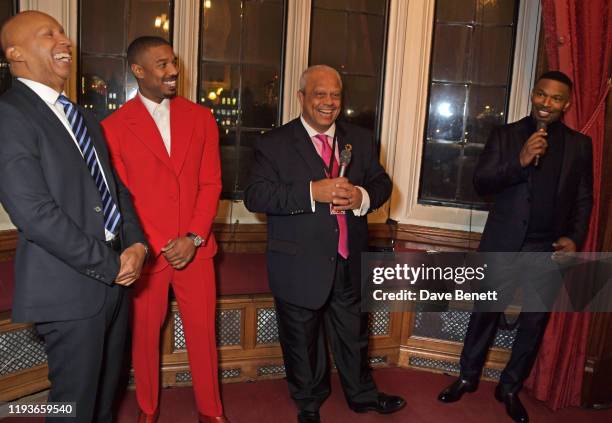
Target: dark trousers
{"x": 539, "y": 278}
{"x": 302, "y": 334}
{"x": 85, "y": 358}
{"x": 480, "y": 334}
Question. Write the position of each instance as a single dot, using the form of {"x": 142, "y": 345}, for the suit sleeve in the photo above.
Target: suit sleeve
{"x": 266, "y": 192}
{"x": 583, "y": 204}
{"x": 496, "y": 170}
{"x": 376, "y": 182}
{"x": 209, "y": 181}
{"x": 25, "y": 195}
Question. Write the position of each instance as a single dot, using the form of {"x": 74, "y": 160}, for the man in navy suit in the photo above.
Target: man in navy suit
{"x": 80, "y": 243}
{"x": 540, "y": 173}
{"x": 314, "y": 253}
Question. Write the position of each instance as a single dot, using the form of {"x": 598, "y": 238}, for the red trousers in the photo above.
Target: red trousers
{"x": 194, "y": 289}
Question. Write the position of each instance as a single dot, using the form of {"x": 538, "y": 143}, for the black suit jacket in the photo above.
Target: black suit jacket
{"x": 499, "y": 173}
{"x": 302, "y": 245}
{"x": 63, "y": 267}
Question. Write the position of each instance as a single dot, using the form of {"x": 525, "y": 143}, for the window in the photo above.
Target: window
{"x": 7, "y": 9}
{"x": 469, "y": 88}
{"x": 241, "y": 56}
{"x": 105, "y": 82}
{"x": 350, "y": 36}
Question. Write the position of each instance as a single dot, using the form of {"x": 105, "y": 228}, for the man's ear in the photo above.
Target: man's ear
{"x": 567, "y": 105}
{"x": 137, "y": 70}
{"x": 13, "y": 54}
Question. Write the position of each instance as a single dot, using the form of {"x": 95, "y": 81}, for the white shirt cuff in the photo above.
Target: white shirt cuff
{"x": 365, "y": 203}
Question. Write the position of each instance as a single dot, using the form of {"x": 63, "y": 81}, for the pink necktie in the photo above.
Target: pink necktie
{"x": 326, "y": 155}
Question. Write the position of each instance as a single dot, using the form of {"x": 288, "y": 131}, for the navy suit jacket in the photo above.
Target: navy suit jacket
{"x": 63, "y": 267}
{"x": 499, "y": 174}
{"x": 302, "y": 245}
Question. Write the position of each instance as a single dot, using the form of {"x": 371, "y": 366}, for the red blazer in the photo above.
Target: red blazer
{"x": 172, "y": 194}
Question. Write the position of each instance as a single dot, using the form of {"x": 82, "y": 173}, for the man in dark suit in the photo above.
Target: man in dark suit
{"x": 540, "y": 174}
{"x": 314, "y": 253}
{"x": 80, "y": 242}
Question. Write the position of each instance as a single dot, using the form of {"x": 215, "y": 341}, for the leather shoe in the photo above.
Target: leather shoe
{"x": 385, "y": 404}
{"x": 148, "y": 418}
{"x": 514, "y": 407}
{"x": 308, "y": 417}
{"x": 455, "y": 390}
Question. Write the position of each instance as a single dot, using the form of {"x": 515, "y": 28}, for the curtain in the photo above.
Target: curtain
{"x": 578, "y": 38}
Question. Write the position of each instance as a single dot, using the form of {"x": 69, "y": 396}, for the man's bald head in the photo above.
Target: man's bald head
{"x": 11, "y": 31}
{"x": 37, "y": 49}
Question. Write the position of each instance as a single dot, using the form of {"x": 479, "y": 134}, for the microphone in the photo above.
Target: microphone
{"x": 345, "y": 159}
{"x": 540, "y": 126}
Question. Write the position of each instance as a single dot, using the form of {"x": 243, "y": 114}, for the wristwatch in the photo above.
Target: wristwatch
{"x": 197, "y": 239}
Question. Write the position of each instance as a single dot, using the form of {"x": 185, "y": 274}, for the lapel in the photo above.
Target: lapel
{"x": 181, "y": 132}
{"x": 62, "y": 140}
{"x": 93, "y": 127}
{"x": 142, "y": 125}
{"x": 569, "y": 152}
{"x": 303, "y": 145}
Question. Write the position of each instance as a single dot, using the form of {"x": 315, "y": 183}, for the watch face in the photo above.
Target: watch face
{"x": 197, "y": 241}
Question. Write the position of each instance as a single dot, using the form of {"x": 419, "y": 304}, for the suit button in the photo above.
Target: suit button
{"x": 97, "y": 209}
{"x": 336, "y": 230}
{"x": 332, "y": 258}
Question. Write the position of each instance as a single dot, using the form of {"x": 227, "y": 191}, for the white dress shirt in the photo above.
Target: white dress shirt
{"x": 160, "y": 112}
{"x": 50, "y": 96}
{"x": 331, "y": 132}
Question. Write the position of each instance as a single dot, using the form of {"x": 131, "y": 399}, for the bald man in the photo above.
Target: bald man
{"x": 80, "y": 243}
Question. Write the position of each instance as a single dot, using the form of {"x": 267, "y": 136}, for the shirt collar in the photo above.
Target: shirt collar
{"x": 331, "y": 131}
{"x": 46, "y": 93}
{"x": 153, "y": 106}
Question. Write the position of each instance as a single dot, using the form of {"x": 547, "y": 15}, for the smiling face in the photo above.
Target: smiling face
{"x": 156, "y": 72}
{"x": 549, "y": 99}
{"x": 321, "y": 99}
{"x": 38, "y": 49}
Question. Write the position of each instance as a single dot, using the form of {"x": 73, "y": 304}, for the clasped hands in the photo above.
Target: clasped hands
{"x": 337, "y": 191}
{"x": 131, "y": 262}
{"x": 179, "y": 252}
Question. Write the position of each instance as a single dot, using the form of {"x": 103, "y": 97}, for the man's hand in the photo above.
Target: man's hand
{"x": 535, "y": 146}
{"x": 179, "y": 252}
{"x": 132, "y": 259}
{"x": 564, "y": 245}
{"x": 323, "y": 189}
{"x": 346, "y": 196}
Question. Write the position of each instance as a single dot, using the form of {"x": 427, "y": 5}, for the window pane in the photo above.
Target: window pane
{"x": 7, "y": 9}
{"x": 103, "y": 85}
{"x": 451, "y": 46}
{"x": 350, "y": 36}
{"x": 446, "y": 110}
{"x": 240, "y": 78}
{"x": 105, "y": 80}
{"x": 469, "y": 86}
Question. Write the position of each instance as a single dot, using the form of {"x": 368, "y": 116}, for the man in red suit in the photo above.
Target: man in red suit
{"x": 166, "y": 150}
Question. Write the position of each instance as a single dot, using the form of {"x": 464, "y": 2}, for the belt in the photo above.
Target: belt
{"x": 114, "y": 244}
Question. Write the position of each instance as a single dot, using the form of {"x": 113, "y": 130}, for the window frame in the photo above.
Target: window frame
{"x": 413, "y": 87}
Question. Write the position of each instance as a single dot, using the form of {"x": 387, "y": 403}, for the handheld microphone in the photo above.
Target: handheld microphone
{"x": 345, "y": 159}
{"x": 540, "y": 126}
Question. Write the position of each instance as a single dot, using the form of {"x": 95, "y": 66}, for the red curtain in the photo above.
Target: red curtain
{"x": 578, "y": 38}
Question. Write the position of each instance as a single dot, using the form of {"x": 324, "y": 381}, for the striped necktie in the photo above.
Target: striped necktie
{"x": 112, "y": 217}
